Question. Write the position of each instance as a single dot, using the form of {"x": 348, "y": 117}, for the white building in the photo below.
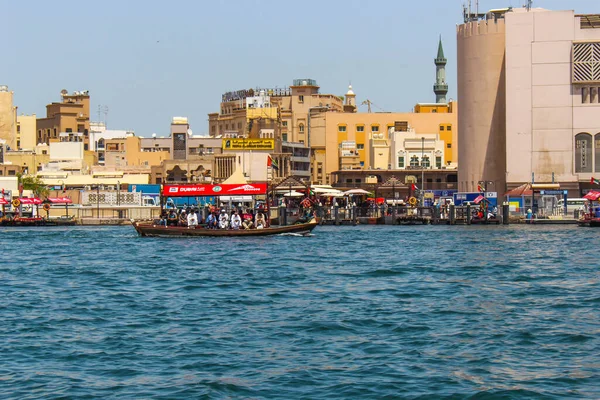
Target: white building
{"x": 412, "y": 150}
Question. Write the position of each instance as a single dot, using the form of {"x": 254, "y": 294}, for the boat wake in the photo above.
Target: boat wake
{"x": 296, "y": 234}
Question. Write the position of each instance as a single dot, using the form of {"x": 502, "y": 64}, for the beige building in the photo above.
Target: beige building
{"x": 30, "y": 161}
{"x": 331, "y": 129}
{"x": 128, "y": 152}
{"x": 528, "y": 83}
{"x": 71, "y": 115}
{"x": 8, "y": 118}
{"x": 26, "y": 126}
{"x": 322, "y": 122}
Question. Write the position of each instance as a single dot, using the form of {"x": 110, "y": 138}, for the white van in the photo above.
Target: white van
{"x": 572, "y": 204}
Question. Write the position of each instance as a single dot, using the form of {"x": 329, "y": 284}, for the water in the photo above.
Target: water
{"x": 351, "y": 312}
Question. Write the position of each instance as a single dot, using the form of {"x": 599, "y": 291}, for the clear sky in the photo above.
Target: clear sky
{"x": 150, "y": 60}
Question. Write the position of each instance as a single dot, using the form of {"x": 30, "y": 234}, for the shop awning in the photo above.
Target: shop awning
{"x": 593, "y": 195}
{"x": 30, "y": 200}
{"x": 3, "y": 201}
{"x": 60, "y": 200}
{"x": 355, "y": 191}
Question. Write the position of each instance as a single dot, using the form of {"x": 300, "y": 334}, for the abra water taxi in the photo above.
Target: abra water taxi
{"x": 151, "y": 229}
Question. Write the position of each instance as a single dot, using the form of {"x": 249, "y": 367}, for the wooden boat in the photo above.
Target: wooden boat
{"x": 151, "y": 229}
{"x": 37, "y": 221}
{"x": 589, "y": 221}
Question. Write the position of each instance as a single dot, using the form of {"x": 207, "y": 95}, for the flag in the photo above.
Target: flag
{"x": 272, "y": 163}
{"x": 480, "y": 188}
{"x": 413, "y": 187}
{"x": 596, "y": 181}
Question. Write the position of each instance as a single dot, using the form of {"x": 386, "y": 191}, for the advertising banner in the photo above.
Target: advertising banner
{"x": 248, "y": 144}
{"x": 214, "y": 190}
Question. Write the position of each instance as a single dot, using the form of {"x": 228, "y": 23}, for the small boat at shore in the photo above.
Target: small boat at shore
{"x": 151, "y": 229}
{"x": 37, "y": 221}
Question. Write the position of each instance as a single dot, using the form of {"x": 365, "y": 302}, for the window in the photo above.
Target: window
{"x": 18, "y": 128}
{"x": 449, "y": 128}
{"x": 239, "y": 125}
{"x": 583, "y": 152}
{"x": 284, "y": 123}
{"x": 360, "y": 128}
{"x": 425, "y": 162}
{"x": 362, "y": 163}
{"x": 374, "y": 128}
{"x": 438, "y": 162}
{"x": 213, "y": 129}
{"x": 301, "y": 99}
{"x": 401, "y": 162}
{"x": 342, "y": 128}
{"x": 301, "y": 128}
{"x": 414, "y": 161}
{"x": 348, "y": 180}
{"x": 357, "y": 180}
{"x": 301, "y": 141}
{"x": 441, "y": 128}
{"x": 586, "y": 62}
{"x": 284, "y": 137}
{"x": 360, "y": 146}
{"x": 12, "y": 172}
{"x": 448, "y": 145}
{"x": 68, "y": 130}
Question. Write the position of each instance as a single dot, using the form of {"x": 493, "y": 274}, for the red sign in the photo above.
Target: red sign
{"x": 30, "y": 200}
{"x": 214, "y": 190}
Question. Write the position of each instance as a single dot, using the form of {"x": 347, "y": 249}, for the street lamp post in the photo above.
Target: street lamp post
{"x": 422, "y": 170}
{"x": 98, "y": 201}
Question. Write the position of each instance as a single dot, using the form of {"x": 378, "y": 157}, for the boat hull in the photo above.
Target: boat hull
{"x": 152, "y": 230}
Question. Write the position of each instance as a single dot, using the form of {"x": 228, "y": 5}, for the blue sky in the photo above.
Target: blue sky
{"x": 150, "y": 60}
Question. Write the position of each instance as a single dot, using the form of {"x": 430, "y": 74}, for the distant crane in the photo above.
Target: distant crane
{"x": 369, "y": 103}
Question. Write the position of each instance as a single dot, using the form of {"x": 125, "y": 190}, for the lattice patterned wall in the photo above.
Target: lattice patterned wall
{"x": 110, "y": 198}
{"x": 586, "y": 62}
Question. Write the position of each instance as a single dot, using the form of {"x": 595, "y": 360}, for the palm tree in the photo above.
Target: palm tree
{"x": 33, "y": 183}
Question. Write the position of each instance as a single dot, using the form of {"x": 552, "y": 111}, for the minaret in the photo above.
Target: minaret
{"x": 440, "y": 88}
{"x": 350, "y": 105}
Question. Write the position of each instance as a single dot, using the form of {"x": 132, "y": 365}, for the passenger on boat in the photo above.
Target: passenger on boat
{"x": 223, "y": 220}
{"x": 260, "y": 220}
{"x": 183, "y": 219}
{"x": 211, "y": 220}
{"x": 192, "y": 219}
{"x": 163, "y": 218}
{"x": 236, "y": 221}
{"x": 248, "y": 224}
{"x": 172, "y": 218}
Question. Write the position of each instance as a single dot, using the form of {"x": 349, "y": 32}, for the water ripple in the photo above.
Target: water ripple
{"x": 350, "y": 312}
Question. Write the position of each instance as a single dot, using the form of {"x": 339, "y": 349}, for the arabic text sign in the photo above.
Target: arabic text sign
{"x": 248, "y": 144}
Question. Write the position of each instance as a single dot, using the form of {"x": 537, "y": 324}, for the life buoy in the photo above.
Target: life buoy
{"x": 412, "y": 201}
{"x": 47, "y": 207}
{"x": 16, "y": 203}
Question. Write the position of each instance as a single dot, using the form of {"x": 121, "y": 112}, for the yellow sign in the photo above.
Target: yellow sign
{"x": 248, "y": 144}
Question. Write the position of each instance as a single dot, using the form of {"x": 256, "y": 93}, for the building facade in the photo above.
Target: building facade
{"x": 70, "y": 115}
{"x": 26, "y": 126}
{"x": 528, "y": 83}
{"x": 8, "y": 118}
